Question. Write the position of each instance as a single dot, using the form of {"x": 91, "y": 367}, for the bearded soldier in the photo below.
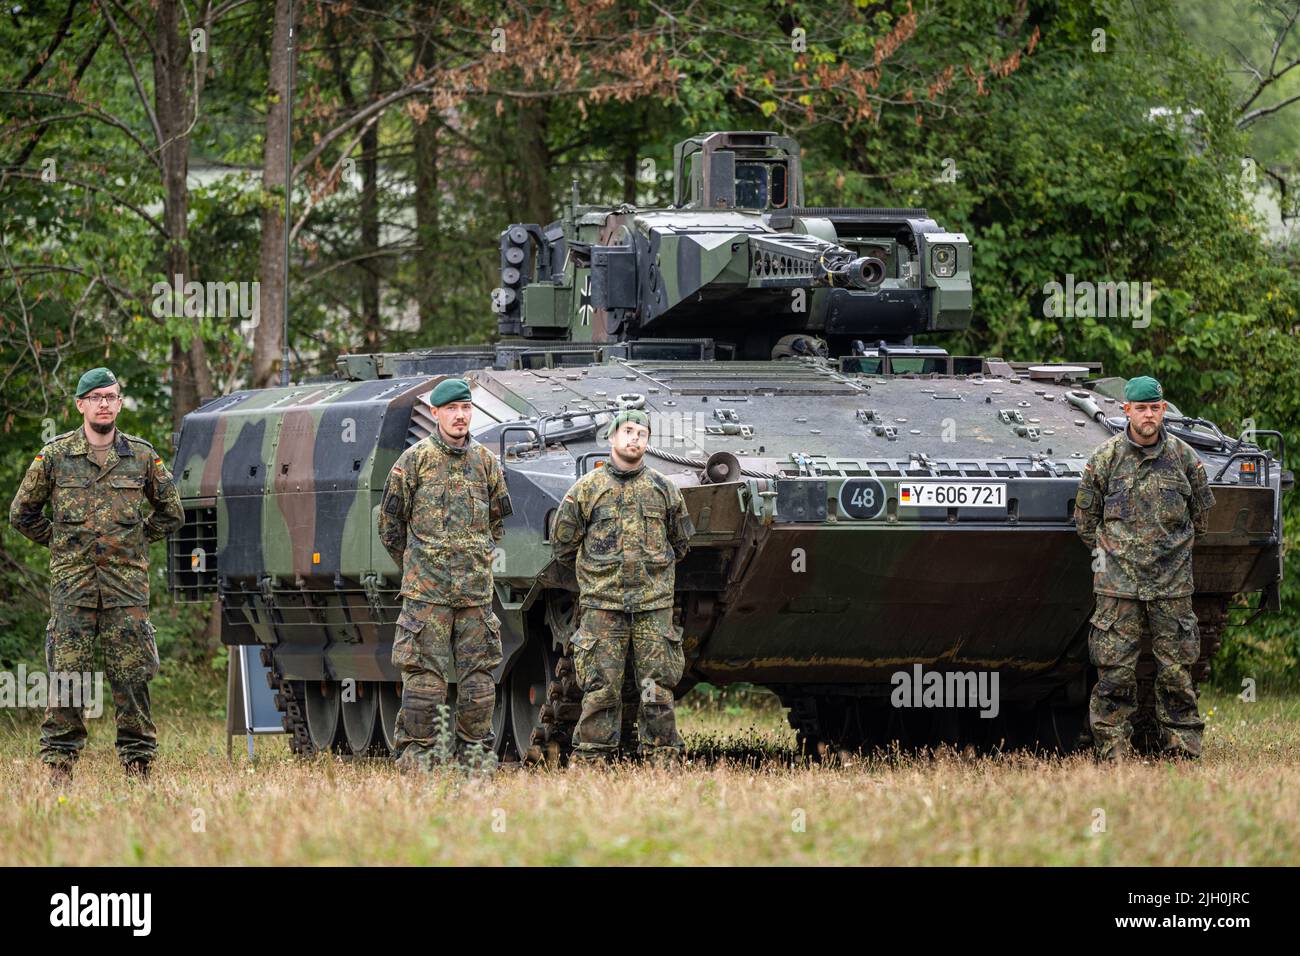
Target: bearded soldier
{"x": 442, "y": 512}
{"x": 622, "y": 528}
{"x": 1143, "y": 499}
{"x": 97, "y": 482}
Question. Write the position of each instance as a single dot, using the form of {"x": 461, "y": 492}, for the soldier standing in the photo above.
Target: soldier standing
{"x": 623, "y": 527}
{"x": 442, "y": 511}
{"x": 1143, "y": 498}
{"x": 96, "y": 481}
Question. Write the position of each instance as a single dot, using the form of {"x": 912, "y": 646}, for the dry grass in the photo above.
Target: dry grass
{"x": 1239, "y": 806}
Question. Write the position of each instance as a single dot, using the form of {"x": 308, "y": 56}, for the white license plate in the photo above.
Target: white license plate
{"x": 953, "y": 494}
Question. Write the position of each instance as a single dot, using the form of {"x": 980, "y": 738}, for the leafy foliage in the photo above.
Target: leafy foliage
{"x": 1008, "y": 119}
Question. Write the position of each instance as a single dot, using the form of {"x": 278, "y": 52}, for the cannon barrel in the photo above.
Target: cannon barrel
{"x": 865, "y": 272}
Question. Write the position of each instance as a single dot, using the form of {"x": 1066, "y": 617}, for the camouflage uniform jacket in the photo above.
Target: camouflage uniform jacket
{"x": 442, "y": 510}
{"x": 1143, "y": 507}
{"x": 98, "y": 533}
{"x": 622, "y": 531}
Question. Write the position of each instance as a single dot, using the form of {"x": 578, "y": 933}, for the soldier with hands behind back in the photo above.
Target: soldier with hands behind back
{"x": 442, "y": 512}
{"x": 1143, "y": 500}
{"x": 623, "y": 528}
{"x": 109, "y": 495}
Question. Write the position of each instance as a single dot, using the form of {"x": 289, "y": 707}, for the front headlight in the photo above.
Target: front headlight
{"x": 943, "y": 261}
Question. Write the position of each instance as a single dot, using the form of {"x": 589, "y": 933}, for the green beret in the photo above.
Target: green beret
{"x": 95, "y": 378}
{"x": 1144, "y": 388}
{"x": 449, "y": 390}
{"x": 627, "y": 415}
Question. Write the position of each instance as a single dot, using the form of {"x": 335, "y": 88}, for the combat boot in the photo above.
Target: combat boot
{"x": 137, "y": 769}
{"x": 664, "y": 758}
{"x": 476, "y": 758}
{"x": 594, "y": 759}
{"x": 1117, "y": 752}
{"x": 60, "y": 774}
{"x": 415, "y": 760}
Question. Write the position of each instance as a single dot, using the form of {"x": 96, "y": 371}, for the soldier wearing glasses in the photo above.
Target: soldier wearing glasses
{"x": 109, "y": 495}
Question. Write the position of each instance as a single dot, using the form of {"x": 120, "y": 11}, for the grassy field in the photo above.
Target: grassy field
{"x": 1238, "y": 806}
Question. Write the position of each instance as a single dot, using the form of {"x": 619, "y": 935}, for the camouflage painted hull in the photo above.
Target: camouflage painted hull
{"x": 787, "y": 585}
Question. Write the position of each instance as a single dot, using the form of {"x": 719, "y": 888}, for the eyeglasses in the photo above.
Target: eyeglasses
{"x": 102, "y": 399}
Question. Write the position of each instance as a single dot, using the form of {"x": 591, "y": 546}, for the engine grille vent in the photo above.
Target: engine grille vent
{"x": 422, "y": 424}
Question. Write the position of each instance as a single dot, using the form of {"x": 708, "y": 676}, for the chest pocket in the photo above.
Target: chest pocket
{"x": 450, "y": 498}
{"x": 656, "y": 529}
{"x": 467, "y": 509}
{"x": 1174, "y": 492}
{"x": 604, "y": 532}
{"x": 70, "y": 499}
{"x": 127, "y": 492}
{"x": 429, "y": 509}
{"x": 1118, "y": 506}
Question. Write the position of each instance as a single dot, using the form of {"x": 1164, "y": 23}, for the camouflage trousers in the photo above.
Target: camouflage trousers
{"x": 130, "y": 656}
{"x": 601, "y": 649}
{"x": 436, "y": 645}
{"x": 1118, "y": 627}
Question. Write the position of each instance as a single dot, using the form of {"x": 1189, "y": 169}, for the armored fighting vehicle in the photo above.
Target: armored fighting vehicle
{"x": 865, "y": 505}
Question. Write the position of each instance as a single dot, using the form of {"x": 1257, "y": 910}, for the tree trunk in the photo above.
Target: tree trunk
{"x": 370, "y": 212}
{"x": 426, "y": 202}
{"x": 268, "y": 337}
{"x": 629, "y": 174}
{"x": 534, "y": 162}
{"x": 191, "y": 376}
